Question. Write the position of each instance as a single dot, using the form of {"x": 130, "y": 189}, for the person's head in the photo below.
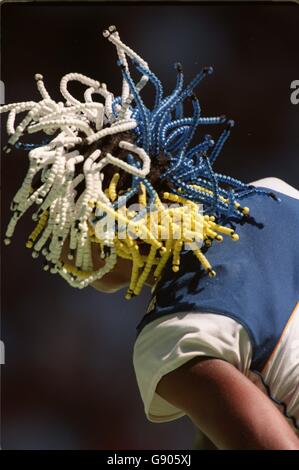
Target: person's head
{"x": 119, "y": 277}
{"x": 101, "y": 158}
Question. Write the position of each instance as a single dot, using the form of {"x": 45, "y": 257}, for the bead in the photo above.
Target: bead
{"x": 235, "y": 237}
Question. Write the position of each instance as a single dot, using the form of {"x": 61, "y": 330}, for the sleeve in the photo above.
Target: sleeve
{"x": 167, "y": 343}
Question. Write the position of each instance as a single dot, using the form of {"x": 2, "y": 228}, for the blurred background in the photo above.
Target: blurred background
{"x": 68, "y": 381}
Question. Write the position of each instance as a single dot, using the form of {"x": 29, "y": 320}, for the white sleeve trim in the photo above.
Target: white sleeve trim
{"x": 278, "y": 185}
{"x": 168, "y": 342}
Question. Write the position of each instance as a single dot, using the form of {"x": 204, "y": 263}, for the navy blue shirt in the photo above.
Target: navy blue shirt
{"x": 257, "y": 282}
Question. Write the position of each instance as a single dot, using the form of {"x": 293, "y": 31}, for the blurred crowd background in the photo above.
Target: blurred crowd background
{"x": 68, "y": 381}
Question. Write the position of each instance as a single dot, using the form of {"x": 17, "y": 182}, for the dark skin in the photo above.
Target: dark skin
{"x": 226, "y": 406}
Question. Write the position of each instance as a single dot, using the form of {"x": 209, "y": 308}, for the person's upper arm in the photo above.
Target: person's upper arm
{"x": 226, "y": 406}
{"x": 172, "y": 340}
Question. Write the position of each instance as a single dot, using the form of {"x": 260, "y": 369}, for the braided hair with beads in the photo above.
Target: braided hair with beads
{"x": 100, "y": 157}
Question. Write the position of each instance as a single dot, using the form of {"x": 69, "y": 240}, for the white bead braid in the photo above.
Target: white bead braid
{"x": 129, "y": 168}
{"x": 74, "y": 122}
{"x": 74, "y": 155}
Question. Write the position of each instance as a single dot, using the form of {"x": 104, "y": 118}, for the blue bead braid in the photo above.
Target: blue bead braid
{"x": 156, "y": 82}
{"x": 144, "y": 122}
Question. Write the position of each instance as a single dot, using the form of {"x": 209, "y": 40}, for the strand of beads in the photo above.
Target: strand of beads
{"x": 113, "y": 36}
{"x": 39, "y": 109}
{"x": 122, "y": 57}
{"x": 79, "y": 279}
{"x": 77, "y": 77}
{"x": 41, "y": 86}
{"x": 137, "y": 263}
{"x": 53, "y": 211}
{"x": 126, "y": 166}
{"x": 38, "y": 229}
{"x": 112, "y": 187}
{"x": 126, "y": 126}
{"x": 146, "y": 270}
{"x": 89, "y": 184}
{"x": 144, "y": 119}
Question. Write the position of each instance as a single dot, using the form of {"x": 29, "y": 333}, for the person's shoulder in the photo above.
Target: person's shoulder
{"x": 278, "y": 185}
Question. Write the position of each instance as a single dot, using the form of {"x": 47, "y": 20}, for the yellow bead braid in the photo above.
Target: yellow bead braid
{"x": 176, "y": 255}
{"x": 136, "y": 264}
{"x": 205, "y": 263}
{"x": 38, "y": 229}
{"x": 142, "y": 195}
{"x": 112, "y": 187}
{"x": 146, "y": 270}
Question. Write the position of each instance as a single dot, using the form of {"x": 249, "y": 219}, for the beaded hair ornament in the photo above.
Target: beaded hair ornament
{"x": 75, "y": 155}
